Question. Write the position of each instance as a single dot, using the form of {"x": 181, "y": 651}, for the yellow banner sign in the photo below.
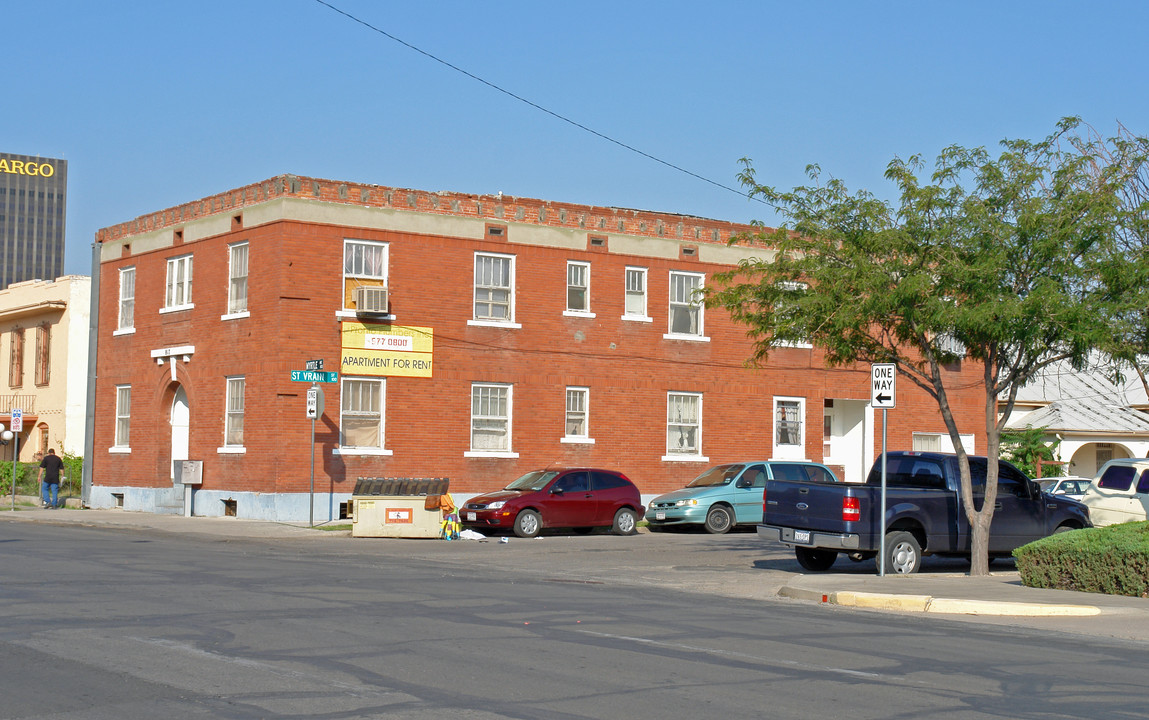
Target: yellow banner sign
{"x": 393, "y": 350}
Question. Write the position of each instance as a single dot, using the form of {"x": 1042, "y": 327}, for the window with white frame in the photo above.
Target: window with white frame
{"x": 793, "y": 286}
{"x": 634, "y": 307}
{"x": 123, "y": 415}
{"x": 178, "y": 295}
{"x": 940, "y": 442}
{"x": 490, "y": 417}
{"x": 789, "y": 427}
{"x": 127, "y": 299}
{"x": 237, "y": 278}
{"x": 361, "y": 413}
{"x": 364, "y": 259}
{"x": 578, "y": 400}
{"x": 683, "y": 423}
{"x": 233, "y": 413}
{"x": 494, "y": 283}
{"x": 578, "y": 287}
{"x": 686, "y": 304}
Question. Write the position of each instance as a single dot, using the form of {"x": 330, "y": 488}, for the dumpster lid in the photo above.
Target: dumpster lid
{"x": 402, "y": 486}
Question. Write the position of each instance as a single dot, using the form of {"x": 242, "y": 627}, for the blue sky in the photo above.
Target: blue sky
{"x": 154, "y": 103}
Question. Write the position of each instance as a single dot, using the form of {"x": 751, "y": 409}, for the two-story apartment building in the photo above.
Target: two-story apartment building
{"x": 44, "y": 356}
{"x": 471, "y": 337}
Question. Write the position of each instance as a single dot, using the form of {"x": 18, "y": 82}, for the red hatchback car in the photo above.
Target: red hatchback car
{"x": 579, "y": 498}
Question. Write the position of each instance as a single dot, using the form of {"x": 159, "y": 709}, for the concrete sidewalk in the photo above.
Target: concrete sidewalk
{"x": 998, "y": 598}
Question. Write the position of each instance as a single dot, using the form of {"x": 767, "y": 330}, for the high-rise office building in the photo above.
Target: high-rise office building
{"x": 33, "y": 195}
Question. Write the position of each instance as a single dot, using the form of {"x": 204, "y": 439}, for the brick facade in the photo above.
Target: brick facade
{"x": 295, "y": 230}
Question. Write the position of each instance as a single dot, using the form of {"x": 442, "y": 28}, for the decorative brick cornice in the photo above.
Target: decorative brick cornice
{"x": 500, "y": 208}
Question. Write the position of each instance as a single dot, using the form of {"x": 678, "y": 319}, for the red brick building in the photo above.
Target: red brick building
{"x": 474, "y": 337}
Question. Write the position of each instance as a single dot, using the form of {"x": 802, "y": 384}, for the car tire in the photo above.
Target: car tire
{"x": 1064, "y": 529}
{"x": 815, "y": 559}
{"x": 527, "y": 524}
{"x": 625, "y": 522}
{"x": 719, "y": 520}
{"x": 903, "y": 553}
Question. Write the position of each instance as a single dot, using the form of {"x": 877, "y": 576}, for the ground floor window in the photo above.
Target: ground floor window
{"x": 683, "y": 423}
{"x": 361, "y": 413}
{"x": 490, "y": 417}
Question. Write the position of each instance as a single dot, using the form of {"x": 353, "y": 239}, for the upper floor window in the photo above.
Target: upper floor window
{"x": 635, "y": 297}
{"x": 686, "y": 304}
{"x": 361, "y": 414}
{"x": 494, "y": 288}
{"x": 43, "y": 353}
{"x": 237, "y": 278}
{"x": 16, "y": 359}
{"x": 127, "y": 298}
{"x": 683, "y": 423}
{"x": 578, "y": 287}
{"x": 179, "y": 283}
{"x": 233, "y": 413}
{"x": 365, "y": 268}
{"x": 123, "y": 414}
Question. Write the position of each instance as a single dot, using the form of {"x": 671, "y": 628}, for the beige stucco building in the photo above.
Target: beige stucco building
{"x": 44, "y": 358}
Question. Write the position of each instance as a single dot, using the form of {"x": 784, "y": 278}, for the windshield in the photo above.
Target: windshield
{"x": 536, "y": 480}
{"x": 718, "y": 475}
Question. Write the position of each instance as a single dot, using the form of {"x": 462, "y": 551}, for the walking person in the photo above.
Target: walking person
{"x": 50, "y": 468}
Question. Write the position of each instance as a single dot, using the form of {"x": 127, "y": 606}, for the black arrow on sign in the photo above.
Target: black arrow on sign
{"x": 883, "y": 398}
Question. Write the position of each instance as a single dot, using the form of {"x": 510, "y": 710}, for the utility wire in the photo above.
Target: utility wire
{"x": 536, "y": 106}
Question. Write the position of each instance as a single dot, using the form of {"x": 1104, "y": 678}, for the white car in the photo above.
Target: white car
{"x": 1120, "y": 493}
{"x": 1071, "y": 487}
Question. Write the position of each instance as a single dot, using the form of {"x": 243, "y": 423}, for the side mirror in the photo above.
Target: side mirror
{"x": 556, "y": 491}
{"x": 742, "y": 483}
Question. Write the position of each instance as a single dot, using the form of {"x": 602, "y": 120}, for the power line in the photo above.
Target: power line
{"x": 535, "y": 105}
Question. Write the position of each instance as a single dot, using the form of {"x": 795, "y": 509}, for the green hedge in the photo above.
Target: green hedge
{"x": 1113, "y": 560}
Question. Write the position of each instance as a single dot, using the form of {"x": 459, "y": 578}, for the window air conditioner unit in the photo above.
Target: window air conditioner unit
{"x": 371, "y": 299}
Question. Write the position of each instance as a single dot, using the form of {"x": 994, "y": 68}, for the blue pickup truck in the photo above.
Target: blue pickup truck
{"x": 924, "y": 514}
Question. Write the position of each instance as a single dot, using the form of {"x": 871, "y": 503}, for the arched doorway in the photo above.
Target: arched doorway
{"x": 181, "y": 423}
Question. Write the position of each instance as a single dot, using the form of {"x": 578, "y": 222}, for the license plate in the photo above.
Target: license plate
{"x": 660, "y": 516}
{"x": 801, "y": 536}
{"x": 470, "y": 517}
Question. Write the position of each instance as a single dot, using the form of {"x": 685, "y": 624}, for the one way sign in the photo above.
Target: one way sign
{"x": 882, "y": 377}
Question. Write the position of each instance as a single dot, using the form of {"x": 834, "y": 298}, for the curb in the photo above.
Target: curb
{"x": 930, "y": 604}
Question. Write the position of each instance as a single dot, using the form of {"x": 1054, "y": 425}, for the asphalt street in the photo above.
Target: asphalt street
{"x": 103, "y": 621}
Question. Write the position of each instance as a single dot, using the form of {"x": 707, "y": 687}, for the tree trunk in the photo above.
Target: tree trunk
{"x": 979, "y": 547}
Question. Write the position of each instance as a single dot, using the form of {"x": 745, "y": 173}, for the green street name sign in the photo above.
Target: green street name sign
{"x": 313, "y": 376}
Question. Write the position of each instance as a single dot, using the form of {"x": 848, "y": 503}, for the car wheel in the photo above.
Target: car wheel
{"x": 719, "y": 520}
{"x": 815, "y": 559}
{"x": 903, "y": 552}
{"x": 1063, "y": 529}
{"x": 527, "y": 524}
{"x": 625, "y": 522}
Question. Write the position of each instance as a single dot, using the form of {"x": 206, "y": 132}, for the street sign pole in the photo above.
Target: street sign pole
{"x": 314, "y": 410}
{"x": 311, "y": 492}
{"x": 883, "y": 378}
{"x": 882, "y": 554}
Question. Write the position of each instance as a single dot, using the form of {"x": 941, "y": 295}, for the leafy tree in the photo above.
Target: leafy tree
{"x": 1015, "y": 261}
{"x": 1026, "y": 447}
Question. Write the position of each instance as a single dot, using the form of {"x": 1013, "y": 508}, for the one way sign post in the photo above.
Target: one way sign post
{"x": 882, "y": 395}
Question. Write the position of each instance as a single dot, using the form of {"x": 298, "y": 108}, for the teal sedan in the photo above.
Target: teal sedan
{"x": 728, "y": 495}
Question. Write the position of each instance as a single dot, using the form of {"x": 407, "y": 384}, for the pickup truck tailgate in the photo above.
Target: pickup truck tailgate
{"x": 805, "y": 505}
